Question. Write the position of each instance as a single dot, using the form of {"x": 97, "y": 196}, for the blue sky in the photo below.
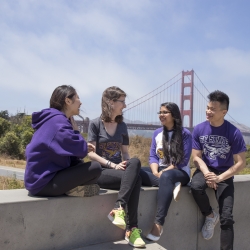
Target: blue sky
{"x": 134, "y": 44}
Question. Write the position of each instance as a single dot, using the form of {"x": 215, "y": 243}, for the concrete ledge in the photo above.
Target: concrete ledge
{"x": 72, "y": 223}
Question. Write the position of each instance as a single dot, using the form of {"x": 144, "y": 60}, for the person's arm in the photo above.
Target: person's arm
{"x": 125, "y": 154}
{"x": 153, "y": 158}
{"x": 200, "y": 164}
{"x": 240, "y": 163}
{"x": 95, "y": 157}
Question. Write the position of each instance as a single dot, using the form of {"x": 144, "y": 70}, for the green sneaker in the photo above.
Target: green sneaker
{"x": 133, "y": 237}
{"x": 117, "y": 216}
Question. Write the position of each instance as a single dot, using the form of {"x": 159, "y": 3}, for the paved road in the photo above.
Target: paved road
{"x": 17, "y": 173}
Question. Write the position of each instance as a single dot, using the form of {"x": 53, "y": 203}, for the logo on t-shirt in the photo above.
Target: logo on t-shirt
{"x": 215, "y": 146}
{"x": 110, "y": 150}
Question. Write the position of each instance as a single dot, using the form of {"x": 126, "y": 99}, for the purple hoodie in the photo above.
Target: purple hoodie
{"x": 53, "y": 146}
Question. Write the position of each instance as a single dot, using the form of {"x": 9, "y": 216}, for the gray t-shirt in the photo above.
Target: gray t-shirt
{"x": 108, "y": 147}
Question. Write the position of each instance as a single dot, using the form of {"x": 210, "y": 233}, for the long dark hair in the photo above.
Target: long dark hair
{"x": 57, "y": 99}
{"x": 111, "y": 94}
{"x": 173, "y": 151}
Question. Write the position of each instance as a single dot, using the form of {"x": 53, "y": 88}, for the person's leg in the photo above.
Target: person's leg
{"x": 225, "y": 198}
{"x": 71, "y": 177}
{"x": 110, "y": 179}
{"x": 147, "y": 177}
{"x": 165, "y": 192}
{"x": 128, "y": 183}
{"x": 198, "y": 188}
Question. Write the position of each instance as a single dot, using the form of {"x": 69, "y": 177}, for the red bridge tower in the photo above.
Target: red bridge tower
{"x": 187, "y": 94}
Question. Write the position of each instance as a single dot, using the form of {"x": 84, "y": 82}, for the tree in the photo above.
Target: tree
{"x": 10, "y": 145}
{"x": 4, "y": 114}
{"x": 4, "y": 126}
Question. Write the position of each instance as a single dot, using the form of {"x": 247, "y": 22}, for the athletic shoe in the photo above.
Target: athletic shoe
{"x": 209, "y": 225}
{"x": 153, "y": 237}
{"x": 133, "y": 238}
{"x": 117, "y": 216}
{"x": 176, "y": 191}
{"x": 84, "y": 191}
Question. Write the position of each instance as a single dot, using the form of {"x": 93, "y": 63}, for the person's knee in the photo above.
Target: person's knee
{"x": 136, "y": 162}
{"x": 96, "y": 167}
{"x": 166, "y": 177}
{"x": 196, "y": 186}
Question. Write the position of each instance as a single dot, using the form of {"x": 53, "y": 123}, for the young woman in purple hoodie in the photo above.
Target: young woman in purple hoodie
{"x": 54, "y": 166}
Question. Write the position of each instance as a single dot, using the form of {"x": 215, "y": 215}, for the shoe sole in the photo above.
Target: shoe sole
{"x": 176, "y": 192}
{"x": 111, "y": 218}
{"x": 217, "y": 220}
{"x": 84, "y": 191}
{"x": 139, "y": 246}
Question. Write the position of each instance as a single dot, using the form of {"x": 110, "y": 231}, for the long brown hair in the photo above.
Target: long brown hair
{"x": 111, "y": 94}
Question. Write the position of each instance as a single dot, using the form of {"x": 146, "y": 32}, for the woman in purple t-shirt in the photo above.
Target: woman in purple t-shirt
{"x": 169, "y": 163}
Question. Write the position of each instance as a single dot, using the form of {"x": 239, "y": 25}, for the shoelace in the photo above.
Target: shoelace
{"x": 136, "y": 232}
{"x": 120, "y": 213}
{"x": 209, "y": 224}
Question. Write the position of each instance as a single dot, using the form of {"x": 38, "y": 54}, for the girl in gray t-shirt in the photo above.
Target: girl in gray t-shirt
{"x": 110, "y": 137}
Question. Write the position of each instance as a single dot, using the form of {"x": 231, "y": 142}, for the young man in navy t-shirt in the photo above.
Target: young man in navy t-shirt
{"x": 218, "y": 153}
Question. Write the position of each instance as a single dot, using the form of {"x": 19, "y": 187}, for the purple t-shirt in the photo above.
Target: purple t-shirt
{"x": 156, "y": 149}
{"x": 218, "y": 144}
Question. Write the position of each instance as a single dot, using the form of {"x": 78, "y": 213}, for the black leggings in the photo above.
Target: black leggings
{"x": 225, "y": 197}
{"x": 71, "y": 177}
{"x": 128, "y": 183}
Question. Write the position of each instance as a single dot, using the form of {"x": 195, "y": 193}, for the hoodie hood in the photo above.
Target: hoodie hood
{"x": 39, "y": 118}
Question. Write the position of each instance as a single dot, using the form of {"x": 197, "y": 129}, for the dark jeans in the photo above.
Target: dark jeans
{"x": 71, "y": 177}
{"x": 166, "y": 185}
{"x": 128, "y": 183}
{"x": 225, "y": 197}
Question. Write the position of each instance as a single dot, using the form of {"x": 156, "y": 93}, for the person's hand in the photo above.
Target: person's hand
{"x": 212, "y": 177}
{"x": 121, "y": 165}
{"x": 212, "y": 184}
{"x": 73, "y": 123}
{"x": 157, "y": 174}
{"x": 91, "y": 147}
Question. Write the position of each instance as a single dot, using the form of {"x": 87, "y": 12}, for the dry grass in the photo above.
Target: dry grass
{"x": 139, "y": 147}
{"x": 8, "y": 162}
{"x": 10, "y": 183}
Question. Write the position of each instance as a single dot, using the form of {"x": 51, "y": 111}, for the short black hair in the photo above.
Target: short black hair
{"x": 219, "y": 96}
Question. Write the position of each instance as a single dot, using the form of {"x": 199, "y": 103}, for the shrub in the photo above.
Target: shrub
{"x": 4, "y": 126}
{"x": 10, "y": 145}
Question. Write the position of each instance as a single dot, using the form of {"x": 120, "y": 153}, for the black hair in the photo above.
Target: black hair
{"x": 57, "y": 100}
{"x": 219, "y": 96}
{"x": 173, "y": 150}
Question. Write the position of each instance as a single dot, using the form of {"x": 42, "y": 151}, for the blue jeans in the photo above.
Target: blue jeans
{"x": 166, "y": 185}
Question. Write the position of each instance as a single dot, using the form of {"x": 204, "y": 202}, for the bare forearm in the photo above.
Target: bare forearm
{"x": 236, "y": 168}
{"x": 154, "y": 167}
{"x": 125, "y": 156}
{"x": 95, "y": 157}
{"x": 200, "y": 164}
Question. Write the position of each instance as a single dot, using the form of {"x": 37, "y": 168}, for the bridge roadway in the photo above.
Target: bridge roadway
{"x": 83, "y": 126}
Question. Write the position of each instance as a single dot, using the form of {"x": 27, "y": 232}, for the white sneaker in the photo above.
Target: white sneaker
{"x": 153, "y": 237}
{"x": 176, "y": 191}
{"x": 209, "y": 225}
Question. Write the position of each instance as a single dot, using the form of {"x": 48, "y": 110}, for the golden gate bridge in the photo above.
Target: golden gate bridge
{"x": 185, "y": 89}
